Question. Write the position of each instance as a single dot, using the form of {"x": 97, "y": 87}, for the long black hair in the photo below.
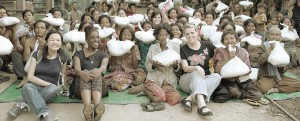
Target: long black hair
{"x": 61, "y": 54}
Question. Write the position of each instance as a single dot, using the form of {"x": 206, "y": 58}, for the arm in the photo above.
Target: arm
{"x": 99, "y": 71}
{"x": 135, "y": 56}
{"x": 291, "y": 3}
{"x": 26, "y": 53}
{"x": 32, "y": 78}
{"x": 263, "y": 54}
{"x": 82, "y": 74}
{"x": 148, "y": 62}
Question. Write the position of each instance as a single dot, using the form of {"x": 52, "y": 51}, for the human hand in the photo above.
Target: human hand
{"x": 201, "y": 71}
{"x": 86, "y": 76}
{"x": 157, "y": 64}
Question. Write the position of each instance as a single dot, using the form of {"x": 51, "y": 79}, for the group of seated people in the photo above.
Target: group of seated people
{"x": 41, "y": 58}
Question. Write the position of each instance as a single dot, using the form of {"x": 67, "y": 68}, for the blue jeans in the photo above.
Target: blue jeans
{"x": 37, "y": 97}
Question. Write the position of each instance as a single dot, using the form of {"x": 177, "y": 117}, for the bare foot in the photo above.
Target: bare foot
{"x": 20, "y": 85}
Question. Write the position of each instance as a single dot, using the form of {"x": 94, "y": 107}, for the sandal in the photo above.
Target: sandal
{"x": 200, "y": 111}
{"x": 150, "y": 107}
{"x": 99, "y": 111}
{"x": 263, "y": 101}
{"x": 186, "y": 106}
{"x": 88, "y": 113}
{"x": 4, "y": 79}
{"x": 252, "y": 102}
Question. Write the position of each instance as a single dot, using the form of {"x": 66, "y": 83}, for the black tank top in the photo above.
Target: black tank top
{"x": 296, "y": 11}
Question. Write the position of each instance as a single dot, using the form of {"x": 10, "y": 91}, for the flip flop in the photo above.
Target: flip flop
{"x": 99, "y": 111}
{"x": 4, "y": 79}
{"x": 152, "y": 107}
{"x": 200, "y": 111}
{"x": 263, "y": 101}
{"x": 252, "y": 102}
{"x": 186, "y": 106}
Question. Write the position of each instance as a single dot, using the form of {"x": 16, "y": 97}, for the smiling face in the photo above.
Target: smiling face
{"x": 57, "y": 14}
{"x": 209, "y": 19}
{"x": 229, "y": 39}
{"x": 274, "y": 35}
{"x": 191, "y": 35}
{"x": 122, "y": 13}
{"x": 28, "y": 17}
{"x": 250, "y": 28}
{"x": 126, "y": 35}
{"x": 162, "y": 36}
{"x": 147, "y": 27}
{"x": 105, "y": 22}
{"x": 54, "y": 42}
{"x": 176, "y": 31}
{"x": 157, "y": 19}
{"x": 93, "y": 40}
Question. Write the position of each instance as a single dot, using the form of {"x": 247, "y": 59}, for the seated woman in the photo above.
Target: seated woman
{"x": 236, "y": 89}
{"x": 271, "y": 78}
{"x": 197, "y": 80}
{"x": 89, "y": 64}
{"x": 43, "y": 75}
{"x": 124, "y": 68}
{"x": 162, "y": 81}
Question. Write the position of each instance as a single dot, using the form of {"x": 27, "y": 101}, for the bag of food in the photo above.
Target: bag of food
{"x": 196, "y": 21}
{"x": 106, "y": 32}
{"x": 286, "y": 34}
{"x": 122, "y": 21}
{"x": 215, "y": 38}
{"x": 252, "y": 40}
{"x": 6, "y": 46}
{"x": 239, "y": 29}
{"x": 74, "y": 36}
{"x": 167, "y": 57}
{"x": 217, "y": 21}
{"x": 253, "y": 75}
{"x": 133, "y": 1}
{"x": 136, "y": 18}
{"x": 145, "y": 36}
{"x": 243, "y": 17}
{"x": 119, "y": 48}
{"x": 175, "y": 40}
{"x": 165, "y": 6}
{"x": 245, "y": 3}
{"x": 53, "y": 21}
{"x": 7, "y": 21}
{"x": 189, "y": 11}
{"x": 221, "y": 7}
{"x": 36, "y": 45}
{"x": 207, "y": 30}
{"x": 278, "y": 56}
{"x": 234, "y": 68}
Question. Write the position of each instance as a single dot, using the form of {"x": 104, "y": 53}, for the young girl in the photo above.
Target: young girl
{"x": 172, "y": 16}
{"x": 89, "y": 65}
{"x": 156, "y": 18}
{"x": 149, "y": 13}
{"x": 236, "y": 89}
{"x": 95, "y": 14}
{"x": 273, "y": 22}
{"x": 43, "y": 75}
{"x": 250, "y": 26}
{"x": 176, "y": 31}
{"x": 124, "y": 68}
{"x": 290, "y": 23}
{"x": 105, "y": 22}
{"x": 197, "y": 14}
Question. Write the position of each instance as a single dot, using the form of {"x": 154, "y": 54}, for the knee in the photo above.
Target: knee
{"x": 28, "y": 87}
{"x": 52, "y": 89}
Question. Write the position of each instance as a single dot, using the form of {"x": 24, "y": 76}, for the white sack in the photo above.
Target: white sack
{"x": 133, "y": 1}
{"x": 7, "y": 21}
{"x": 239, "y": 29}
{"x": 165, "y": 6}
{"x": 215, "y": 38}
{"x": 119, "y": 48}
{"x": 221, "y": 7}
{"x": 278, "y": 56}
{"x": 106, "y": 32}
{"x": 74, "y": 36}
{"x": 245, "y": 3}
{"x": 136, "y": 18}
{"x": 252, "y": 40}
{"x": 207, "y": 30}
{"x": 216, "y": 22}
{"x": 175, "y": 40}
{"x": 196, "y": 21}
{"x": 177, "y": 2}
{"x": 167, "y": 57}
{"x": 6, "y": 46}
{"x": 243, "y": 17}
{"x": 189, "y": 11}
{"x": 253, "y": 75}
{"x": 97, "y": 1}
{"x": 144, "y": 36}
{"x": 286, "y": 34}
{"x": 234, "y": 68}
{"x": 122, "y": 21}
{"x": 54, "y": 21}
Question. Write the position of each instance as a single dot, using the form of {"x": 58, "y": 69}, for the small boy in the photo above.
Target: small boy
{"x": 238, "y": 21}
{"x": 261, "y": 19}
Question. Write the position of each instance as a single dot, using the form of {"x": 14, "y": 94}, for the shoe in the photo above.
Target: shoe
{"x": 186, "y": 106}
{"x": 16, "y": 110}
{"x": 88, "y": 113}
{"x": 99, "y": 111}
{"x": 48, "y": 117}
{"x": 151, "y": 106}
{"x": 200, "y": 111}
{"x": 252, "y": 102}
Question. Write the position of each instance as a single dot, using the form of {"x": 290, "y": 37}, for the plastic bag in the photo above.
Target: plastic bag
{"x": 217, "y": 21}
{"x": 286, "y": 34}
{"x": 7, "y": 21}
{"x": 122, "y": 21}
{"x": 53, "y": 21}
{"x": 175, "y": 40}
{"x": 110, "y": 1}
{"x": 253, "y": 75}
{"x": 245, "y": 3}
{"x": 207, "y": 30}
{"x": 278, "y": 56}
{"x": 74, "y": 36}
{"x": 239, "y": 29}
{"x": 97, "y": 1}
{"x": 36, "y": 45}
{"x": 165, "y": 6}
{"x": 234, "y": 68}
{"x": 196, "y": 21}
{"x": 136, "y": 18}
{"x": 243, "y": 17}
{"x": 119, "y": 48}
{"x": 145, "y": 36}
{"x": 106, "y": 32}
{"x": 189, "y": 11}
{"x": 167, "y": 57}
{"x": 133, "y": 1}
{"x": 221, "y": 7}
{"x": 215, "y": 38}
{"x": 252, "y": 40}
{"x": 6, "y": 46}
{"x": 177, "y": 2}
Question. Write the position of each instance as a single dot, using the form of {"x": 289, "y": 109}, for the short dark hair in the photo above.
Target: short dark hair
{"x": 229, "y": 32}
{"x": 245, "y": 24}
{"x": 38, "y": 21}
{"x": 26, "y": 11}
{"x": 82, "y": 23}
{"x": 82, "y": 17}
{"x": 123, "y": 29}
{"x": 227, "y": 23}
{"x": 147, "y": 22}
{"x": 225, "y": 17}
{"x": 261, "y": 5}
{"x": 132, "y": 4}
{"x": 52, "y": 10}
{"x": 211, "y": 13}
{"x": 281, "y": 21}
{"x": 160, "y": 27}
{"x": 104, "y": 16}
{"x": 2, "y": 7}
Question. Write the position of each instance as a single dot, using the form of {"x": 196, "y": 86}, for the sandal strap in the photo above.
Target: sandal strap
{"x": 203, "y": 107}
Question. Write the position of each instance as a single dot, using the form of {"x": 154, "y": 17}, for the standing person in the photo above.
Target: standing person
{"x": 261, "y": 19}
{"x": 75, "y": 14}
{"x": 296, "y": 13}
{"x": 43, "y": 75}
{"x": 89, "y": 65}
{"x": 198, "y": 79}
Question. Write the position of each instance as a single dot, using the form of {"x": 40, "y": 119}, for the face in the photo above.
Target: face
{"x": 279, "y": 16}
{"x": 229, "y": 39}
{"x": 96, "y": 15}
{"x": 40, "y": 29}
{"x": 93, "y": 39}
{"x": 274, "y": 21}
{"x": 228, "y": 27}
{"x": 209, "y": 19}
{"x": 250, "y": 28}
{"x": 237, "y": 8}
{"x": 2, "y": 13}
{"x": 157, "y": 19}
{"x": 121, "y": 6}
{"x": 104, "y": 8}
{"x": 287, "y": 22}
{"x": 132, "y": 9}
{"x": 238, "y": 21}
{"x": 201, "y": 10}
{"x": 162, "y": 36}
{"x": 126, "y": 35}
{"x": 149, "y": 13}
{"x": 260, "y": 10}
{"x": 74, "y": 6}
{"x": 28, "y": 18}
{"x": 85, "y": 25}
{"x": 147, "y": 27}
{"x": 198, "y": 15}
{"x": 54, "y": 42}
{"x": 57, "y": 14}
{"x": 121, "y": 13}
{"x": 173, "y": 14}
{"x": 87, "y": 18}
{"x": 183, "y": 20}
{"x": 191, "y": 35}
{"x": 274, "y": 36}
{"x": 176, "y": 31}
{"x": 105, "y": 22}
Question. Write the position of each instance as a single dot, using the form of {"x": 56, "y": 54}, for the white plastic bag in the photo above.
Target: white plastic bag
{"x": 196, "y": 21}
{"x": 136, "y": 18}
{"x": 278, "y": 56}
{"x": 221, "y": 7}
{"x": 144, "y": 36}
{"x": 167, "y": 57}
{"x": 234, "y": 68}
{"x": 133, "y": 1}
{"x": 243, "y": 17}
{"x": 97, "y": 1}
{"x": 253, "y": 75}
{"x": 122, "y": 21}
{"x": 54, "y": 21}
{"x": 74, "y": 36}
{"x": 175, "y": 40}
{"x": 7, "y": 21}
{"x": 177, "y": 2}
{"x": 6, "y": 46}
{"x": 207, "y": 30}
{"x": 106, "y": 32}
{"x": 239, "y": 29}
{"x": 217, "y": 21}
{"x": 165, "y": 6}
{"x": 119, "y": 48}
{"x": 252, "y": 40}
{"x": 36, "y": 45}
{"x": 245, "y": 3}
{"x": 215, "y": 38}
{"x": 109, "y": 2}
{"x": 286, "y": 34}
{"x": 189, "y": 11}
